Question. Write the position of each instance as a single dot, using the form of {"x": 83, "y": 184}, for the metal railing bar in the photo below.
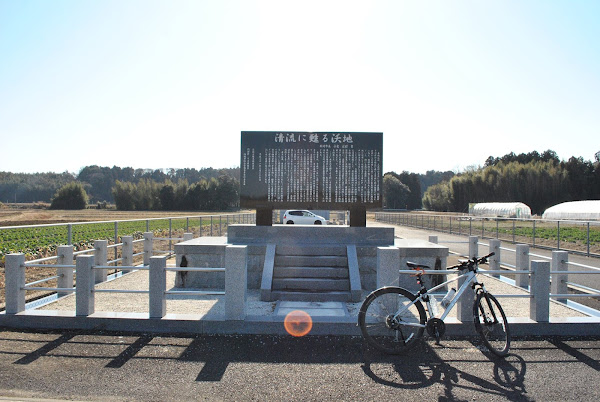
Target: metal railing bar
{"x": 577, "y": 286}
{"x": 194, "y": 292}
{"x": 43, "y": 280}
{"x": 91, "y": 250}
{"x": 120, "y": 291}
{"x": 569, "y": 295}
{"x": 582, "y": 266}
{"x": 480, "y": 271}
{"x": 50, "y": 289}
{"x": 114, "y": 245}
{"x": 574, "y": 272}
{"x": 44, "y": 259}
{"x": 29, "y": 265}
{"x": 539, "y": 256}
{"x": 113, "y": 267}
{"x": 195, "y": 269}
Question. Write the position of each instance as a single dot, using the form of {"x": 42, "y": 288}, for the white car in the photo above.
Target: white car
{"x": 302, "y": 217}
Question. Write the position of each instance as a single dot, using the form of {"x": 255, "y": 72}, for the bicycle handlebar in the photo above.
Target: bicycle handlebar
{"x": 464, "y": 264}
{"x": 472, "y": 262}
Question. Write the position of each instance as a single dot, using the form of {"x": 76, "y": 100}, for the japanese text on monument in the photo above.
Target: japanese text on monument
{"x": 310, "y": 169}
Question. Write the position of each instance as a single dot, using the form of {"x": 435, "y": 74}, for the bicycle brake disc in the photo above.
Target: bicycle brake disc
{"x": 436, "y": 327}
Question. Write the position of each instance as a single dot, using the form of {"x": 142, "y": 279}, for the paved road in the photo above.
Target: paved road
{"x": 70, "y": 365}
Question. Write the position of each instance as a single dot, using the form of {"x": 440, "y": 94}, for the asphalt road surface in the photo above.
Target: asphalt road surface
{"x": 108, "y": 366}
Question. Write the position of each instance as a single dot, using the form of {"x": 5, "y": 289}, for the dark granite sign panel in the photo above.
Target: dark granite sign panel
{"x": 325, "y": 170}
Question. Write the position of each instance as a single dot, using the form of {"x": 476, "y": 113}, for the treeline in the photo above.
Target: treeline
{"x": 538, "y": 180}
{"x": 98, "y": 181}
{"x": 401, "y": 190}
{"x": 25, "y": 187}
{"x": 406, "y": 190}
{"x": 148, "y": 195}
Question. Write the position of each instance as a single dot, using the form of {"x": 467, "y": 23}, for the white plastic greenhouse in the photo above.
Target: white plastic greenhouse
{"x": 578, "y": 210}
{"x": 501, "y": 209}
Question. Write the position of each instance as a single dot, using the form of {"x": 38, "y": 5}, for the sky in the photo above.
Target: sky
{"x": 171, "y": 84}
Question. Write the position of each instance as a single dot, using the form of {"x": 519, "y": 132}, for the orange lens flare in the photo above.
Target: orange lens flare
{"x": 297, "y": 323}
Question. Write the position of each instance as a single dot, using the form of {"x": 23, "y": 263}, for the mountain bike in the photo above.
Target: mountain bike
{"x": 393, "y": 319}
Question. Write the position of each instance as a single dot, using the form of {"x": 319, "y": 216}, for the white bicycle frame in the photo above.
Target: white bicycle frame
{"x": 469, "y": 278}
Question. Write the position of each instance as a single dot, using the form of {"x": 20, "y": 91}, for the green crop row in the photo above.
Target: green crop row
{"x": 36, "y": 240}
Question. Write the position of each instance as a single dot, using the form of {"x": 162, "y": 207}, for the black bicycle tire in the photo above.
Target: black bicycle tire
{"x": 479, "y": 326}
{"x": 399, "y": 348}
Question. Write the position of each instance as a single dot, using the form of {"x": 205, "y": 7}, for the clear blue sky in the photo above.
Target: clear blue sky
{"x": 160, "y": 84}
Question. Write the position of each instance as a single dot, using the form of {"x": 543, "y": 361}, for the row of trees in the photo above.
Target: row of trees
{"x": 538, "y": 180}
{"x": 98, "y": 181}
{"x": 146, "y": 195}
{"x": 31, "y": 187}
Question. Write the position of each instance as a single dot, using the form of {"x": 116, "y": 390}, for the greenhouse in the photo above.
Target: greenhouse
{"x": 579, "y": 210}
{"x": 501, "y": 209}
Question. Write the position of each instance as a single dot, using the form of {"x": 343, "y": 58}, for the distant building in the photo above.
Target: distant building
{"x": 500, "y": 209}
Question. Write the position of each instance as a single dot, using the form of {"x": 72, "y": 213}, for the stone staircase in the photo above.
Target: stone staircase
{"x": 309, "y": 273}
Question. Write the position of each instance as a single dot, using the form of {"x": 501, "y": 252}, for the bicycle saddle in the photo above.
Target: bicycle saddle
{"x": 416, "y": 266}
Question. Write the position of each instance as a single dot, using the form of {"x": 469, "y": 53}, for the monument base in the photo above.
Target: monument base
{"x": 324, "y": 251}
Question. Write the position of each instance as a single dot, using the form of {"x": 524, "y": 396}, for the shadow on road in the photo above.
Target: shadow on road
{"x": 447, "y": 367}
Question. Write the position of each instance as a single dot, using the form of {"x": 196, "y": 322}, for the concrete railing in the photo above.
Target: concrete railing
{"x": 544, "y": 280}
{"x": 92, "y": 270}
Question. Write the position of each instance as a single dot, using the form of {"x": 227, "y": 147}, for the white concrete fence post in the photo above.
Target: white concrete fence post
{"x": 473, "y": 246}
{"x": 539, "y": 304}
{"x": 522, "y": 264}
{"x": 127, "y": 252}
{"x": 14, "y": 282}
{"x": 148, "y": 240}
{"x": 100, "y": 259}
{"x": 84, "y": 297}
{"x": 560, "y": 262}
{"x": 494, "y": 261}
{"x": 433, "y": 239}
{"x": 158, "y": 286}
{"x": 65, "y": 257}
{"x": 236, "y": 282}
{"x": 188, "y": 236}
{"x": 387, "y": 266}
{"x": 464, "y": 305}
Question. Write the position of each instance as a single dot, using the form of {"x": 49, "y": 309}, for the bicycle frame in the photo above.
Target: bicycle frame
{"x": 470, "y": 277}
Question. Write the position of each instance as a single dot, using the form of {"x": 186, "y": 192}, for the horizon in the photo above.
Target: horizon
{"x": 151, "y": 83}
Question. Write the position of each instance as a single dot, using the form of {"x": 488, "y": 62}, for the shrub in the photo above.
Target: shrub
{"x": 70, "y": 196}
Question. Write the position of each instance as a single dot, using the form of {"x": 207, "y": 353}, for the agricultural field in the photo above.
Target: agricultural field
{"x": 41, "y": 241}
{"x": 582, "y": 237}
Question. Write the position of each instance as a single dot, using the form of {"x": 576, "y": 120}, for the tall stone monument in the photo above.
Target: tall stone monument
{"x": 311, "y": 170}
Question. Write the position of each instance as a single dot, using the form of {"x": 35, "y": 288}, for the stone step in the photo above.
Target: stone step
{"x": 310, "y": 272}
{"x": 303, "y": 250}
{"x": 311, "y": 284}
{"x": 311, "y": 296}
{"x": 310, "y": 261}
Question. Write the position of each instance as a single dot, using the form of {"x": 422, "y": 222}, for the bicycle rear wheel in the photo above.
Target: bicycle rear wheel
{"x": 491, "y": 323}
{"x": 385, "y": 330}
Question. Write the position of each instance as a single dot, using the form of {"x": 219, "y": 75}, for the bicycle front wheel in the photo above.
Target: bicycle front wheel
{"x": 491, "y": 323}
{"x": 387, "y": 323}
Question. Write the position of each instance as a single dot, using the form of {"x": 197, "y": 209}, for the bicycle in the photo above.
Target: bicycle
{"x": 393, "y": 319}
